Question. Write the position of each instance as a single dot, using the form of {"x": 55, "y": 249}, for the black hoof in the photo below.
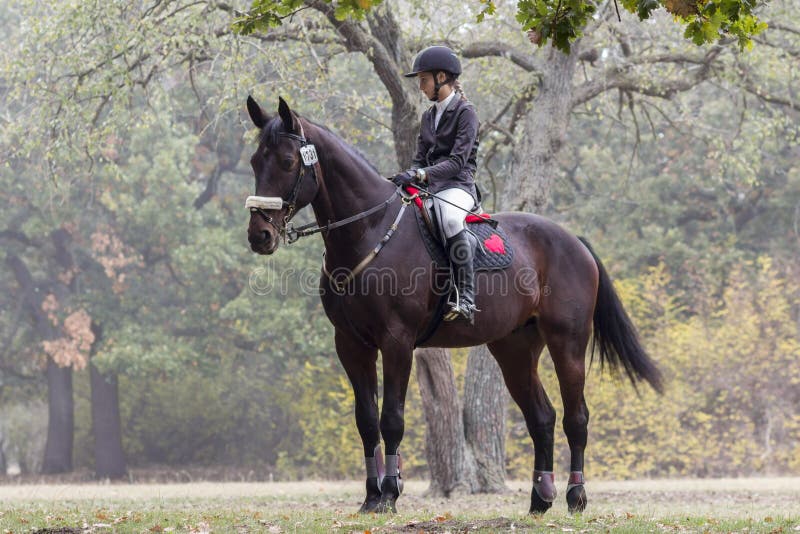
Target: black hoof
{"x": 538, "y": 506}
{"x": 576, "y": 499}
{"x": 390, "y": 491}
{"x": 386, "y": 506}
{"x": 371, "y": 505}
{"x": 373, "y": 500}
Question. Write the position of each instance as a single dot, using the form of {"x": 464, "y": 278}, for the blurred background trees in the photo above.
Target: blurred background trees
{"x": 136, "y": 328}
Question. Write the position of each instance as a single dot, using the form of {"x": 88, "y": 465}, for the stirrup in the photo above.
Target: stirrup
{"x": 459, "y": 309}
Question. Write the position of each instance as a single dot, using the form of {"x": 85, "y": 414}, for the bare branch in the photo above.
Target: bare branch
{"x": 783, "y": 27}
{"x": 484, "y": 49}
{"x": 627, "y": 78}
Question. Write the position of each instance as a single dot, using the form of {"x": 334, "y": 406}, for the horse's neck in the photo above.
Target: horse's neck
{"x": 348, "y": 186}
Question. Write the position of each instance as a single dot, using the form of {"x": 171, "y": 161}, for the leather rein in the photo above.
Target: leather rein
{"x": 291, "y": 234}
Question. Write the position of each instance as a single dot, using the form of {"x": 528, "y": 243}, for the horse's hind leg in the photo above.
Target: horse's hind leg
{"x": 567, "y": 348}
{"x": 518, "y": 357}
{"x": 359, "y": 364}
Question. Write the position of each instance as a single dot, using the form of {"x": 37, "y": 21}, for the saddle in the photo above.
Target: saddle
{"x": 494, "y": 249}
{"x": 494, "y": 252}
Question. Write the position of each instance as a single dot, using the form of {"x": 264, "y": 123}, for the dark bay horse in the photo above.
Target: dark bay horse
{"x": 555, "y": 293}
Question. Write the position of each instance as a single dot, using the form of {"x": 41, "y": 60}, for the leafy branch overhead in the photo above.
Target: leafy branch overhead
{"x": 559, "y": 21}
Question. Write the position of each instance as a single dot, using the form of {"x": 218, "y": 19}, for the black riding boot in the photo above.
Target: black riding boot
{"x": 461, "y": 252}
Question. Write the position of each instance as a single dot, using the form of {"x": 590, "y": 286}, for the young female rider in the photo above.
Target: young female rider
{"x": 446, "y": 153}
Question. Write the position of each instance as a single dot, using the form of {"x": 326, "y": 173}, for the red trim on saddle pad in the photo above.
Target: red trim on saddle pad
{"x": 411, "y": 190}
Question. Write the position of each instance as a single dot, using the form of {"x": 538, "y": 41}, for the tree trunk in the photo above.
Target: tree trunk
{"x": 451, "y": 465}
{"x": 60, "y": 423}
{"x": 534, "y": 166}
{"x": 485, "y": 403}
{"x": 109, "y": 458}
{"x": 527, "y": 189}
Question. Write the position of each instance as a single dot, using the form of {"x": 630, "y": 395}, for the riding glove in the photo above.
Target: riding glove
{"x": 403, "y": 178}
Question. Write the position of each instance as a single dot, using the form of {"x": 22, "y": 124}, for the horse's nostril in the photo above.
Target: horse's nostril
{"x": 265, "y": 237}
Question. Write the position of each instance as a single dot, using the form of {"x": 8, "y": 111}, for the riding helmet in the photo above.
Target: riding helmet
{"x": 436, "y": 58}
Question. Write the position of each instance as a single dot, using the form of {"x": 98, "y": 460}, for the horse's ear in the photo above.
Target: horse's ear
{"x": 257, "y": 114}
{"x": 287, "y": 116}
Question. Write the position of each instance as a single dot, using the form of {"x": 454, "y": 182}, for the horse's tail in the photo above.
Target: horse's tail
{"x": 615, "y": 336}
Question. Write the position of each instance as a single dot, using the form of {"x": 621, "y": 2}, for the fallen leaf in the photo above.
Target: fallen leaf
{"x": 156, "y": 528}
{"x": 629, "y": 515}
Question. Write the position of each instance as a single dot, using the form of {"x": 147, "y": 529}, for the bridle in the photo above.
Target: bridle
{"x": 261, "y": 205}
{"x": 308, "y": 153}
{"x": 291, "y": 234}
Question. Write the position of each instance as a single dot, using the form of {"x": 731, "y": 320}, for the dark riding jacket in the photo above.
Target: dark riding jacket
{"x": 448, "y": 153}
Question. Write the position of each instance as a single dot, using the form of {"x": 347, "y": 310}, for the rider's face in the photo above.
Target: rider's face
{"x": 427, "y": 85}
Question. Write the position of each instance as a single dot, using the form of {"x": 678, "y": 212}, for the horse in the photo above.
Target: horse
{"x": 555, "y": 293}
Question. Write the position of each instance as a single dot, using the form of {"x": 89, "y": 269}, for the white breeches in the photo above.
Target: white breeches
{"x": 450, "y": 216}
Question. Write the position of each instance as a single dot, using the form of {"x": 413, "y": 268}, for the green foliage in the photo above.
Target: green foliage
{"x": 733, "y": 386}
{"x": 266, "y": 14}
{"x": 561, "y": 21}
{"x": 705, "y": 22}
{"x": 715, "y": 20}
{"x": 557, "y": 21}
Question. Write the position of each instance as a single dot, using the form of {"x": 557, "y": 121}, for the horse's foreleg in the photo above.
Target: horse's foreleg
{"x": 518, "y": 357}
{"x": 396, "y": 372}
{"x": 568, "y": 353}
{"x": 359, "y": 364}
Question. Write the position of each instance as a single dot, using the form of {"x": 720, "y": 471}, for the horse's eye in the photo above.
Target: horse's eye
{"x": 287, "y": 163}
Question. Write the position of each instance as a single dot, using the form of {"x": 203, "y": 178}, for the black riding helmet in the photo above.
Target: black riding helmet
{"x": 436, "y": 58}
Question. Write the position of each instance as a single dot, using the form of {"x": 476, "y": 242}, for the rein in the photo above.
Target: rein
{"x": 260, "y": 205}
{"x": 293, "y": 234}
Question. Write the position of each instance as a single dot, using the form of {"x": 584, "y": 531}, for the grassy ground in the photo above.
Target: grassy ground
{"x": 724, "y": 505}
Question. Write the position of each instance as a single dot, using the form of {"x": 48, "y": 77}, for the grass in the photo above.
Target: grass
{"x": 724, "y": 505}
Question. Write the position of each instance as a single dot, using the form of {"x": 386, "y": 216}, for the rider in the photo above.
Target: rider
{"x": 447, "y": 147}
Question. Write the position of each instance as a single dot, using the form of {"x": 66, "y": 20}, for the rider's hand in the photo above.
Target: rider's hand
{"x": 403, "y": 178}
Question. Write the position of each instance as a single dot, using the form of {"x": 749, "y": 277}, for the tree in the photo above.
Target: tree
{"x": 141, "y": 159}
{"x": 562, "y": 21}
{"x": 543, "y": 106}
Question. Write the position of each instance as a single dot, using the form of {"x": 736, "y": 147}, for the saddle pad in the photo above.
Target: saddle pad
{"x": 493, "y": 252}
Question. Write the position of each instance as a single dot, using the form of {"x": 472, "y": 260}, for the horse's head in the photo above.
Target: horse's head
{"x": 286, "y": 180}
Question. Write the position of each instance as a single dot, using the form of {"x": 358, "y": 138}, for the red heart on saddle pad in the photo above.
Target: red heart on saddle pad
{"x": 495, "y": 244}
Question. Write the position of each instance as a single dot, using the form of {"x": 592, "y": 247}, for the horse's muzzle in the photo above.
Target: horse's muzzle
{"x": 263, "y": 242}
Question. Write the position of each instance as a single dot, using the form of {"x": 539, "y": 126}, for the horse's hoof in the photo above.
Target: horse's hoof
{"x": 370, "y": 505}
{"x": 538, "y": 506}
{"x": 576, "y": 499}
{"x": 391, "y": 486}
{"x": 386, "y": 506}
{"x": 373, "y": 499}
